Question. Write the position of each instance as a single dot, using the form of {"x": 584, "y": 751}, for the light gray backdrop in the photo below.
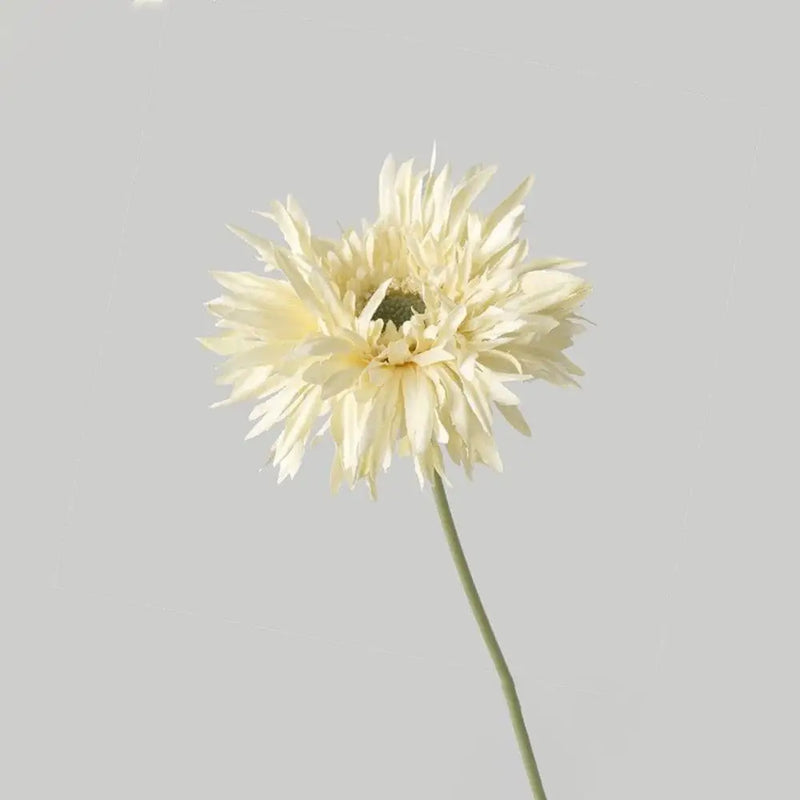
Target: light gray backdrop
{"x": 178, "y": 626}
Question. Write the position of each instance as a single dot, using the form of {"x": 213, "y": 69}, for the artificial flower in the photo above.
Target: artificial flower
{"x": 400, "y": 338}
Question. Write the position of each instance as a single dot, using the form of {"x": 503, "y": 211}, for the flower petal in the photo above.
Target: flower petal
{"x": 514, "y": 418}
{"x": 513, "y": 200}
{"x": 340, "y": 381}
{"x": 419, "y": 408}
{"x": 386, "y": 187}
{"x": 433, "y": 356}
{"x": 264, "y": 247}
{"x": 371, "y": 307}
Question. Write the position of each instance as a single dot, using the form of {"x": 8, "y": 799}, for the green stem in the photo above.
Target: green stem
{"x": 478, "y": 611}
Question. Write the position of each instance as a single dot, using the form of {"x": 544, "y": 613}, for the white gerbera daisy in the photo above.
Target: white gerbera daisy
{"x": 400, "y": 338}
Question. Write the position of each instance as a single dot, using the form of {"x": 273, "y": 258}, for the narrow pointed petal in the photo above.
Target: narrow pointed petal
{"x": 513, "y": 200}
{"x": 514, "y": 417}
{"x": 418, "y": 404}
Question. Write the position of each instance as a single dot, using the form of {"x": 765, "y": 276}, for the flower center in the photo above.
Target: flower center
{"x": 399, "y": 307}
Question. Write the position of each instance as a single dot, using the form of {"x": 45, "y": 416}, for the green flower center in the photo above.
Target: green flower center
{"x": 399, "y": 307}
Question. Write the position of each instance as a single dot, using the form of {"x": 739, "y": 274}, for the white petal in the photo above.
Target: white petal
{"x": 265, "y": 248}
{"x": 351, "y": 433}
{"x": 298, "y": 424}
{"x": 550, "y": 263}
{"x": 479, "y": 404}
{"x": 372, "y": 304}
{"x": 419, "y": 410}
{"x": 465, "y": 194}
{"x": 403, "y": 189}
{"x": 432, "y": 165}
{"x": 276, "y": 408}
{"x": 452, "y": 322}
{"x": 323, "y": 346}
{"x": 497, "y": 391}
{"x": 324, "y": 428}
{"x": 340, "y": 380}
{"x": 498, "y": 360}
{"x": 337, "y": 473}
{"x": 293, "y": 233}
{"x": 457, "y": 406}
{"x": 386, "y": 187}
{"x": 513, "y": 200}
{"x": 398, "y": 352}
{"x": 291, "y": 462}
{"x": 548, "y": 288}
{"x": 432, "y": 356}
{"x": 299, "y": 279}
{"x": 504, "y": 233}
{"x": 225, "y": 345}
{"x": 514, "y": 418}
{"x": 259, "y": 355}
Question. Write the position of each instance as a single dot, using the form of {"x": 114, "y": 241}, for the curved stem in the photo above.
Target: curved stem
{"x": 489, "y": 638}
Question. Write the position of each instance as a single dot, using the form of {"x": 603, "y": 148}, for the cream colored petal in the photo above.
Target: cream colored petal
{"x": 504, "y": 233}
{"x": 467, "y": 366}
{"x": 372, "y": 304}
{"x": 249, "y": 318}
{"x": 275, "y": 384}
{"x": 477, "y": 401}
{"x": 496, "y": 390}
{"x": 419, "y": 408}
{"x": 299, "y": 279}
{"x": 550, "y": 288}
{"x": 514, "y": 417}
{"x": 497, "y": 262}
{"x": 260, "y": 355}
{"x": 464, "y": 195}
{"x": 403, "y": 190}
{"x": 439, "y": 202}
{"x": 323, "y": 430}
{"x": 299, "y": 218}
{"x": 298, "y": 424}
{"x": 451, "y": 323}
{"x": 486, "y": 449}
{"x": 248, "y": 387}
{"x": 226, "y": 344}
{"x": 419, "y": 469}
{"x": 427, "y": 207}
{"x": 276, "y": 409}
{"x": 440, "y": 431}
{"x": 512, "y": 201}
{"x": 498, "y": 332}
{"x": 416, "y": 198}
{"x": 327, "y": 293}
{"x": 251, "y": 287}
{"x": 266, "y": 249}
{"x": 550, "y": 263}
{"x": 323, "y": 346}
{"x": 290, "y": 465}
{"x": 293, "y": 226}
{"x": 340, "y": 381}
{"x": 386, "y": 188}
{"x": 398, "y": 352}
{"x": 498, "y": 360}
{"x": 540, "y": 324}
{"x": 433, "y": 356}
{"x": 320, "y": 371}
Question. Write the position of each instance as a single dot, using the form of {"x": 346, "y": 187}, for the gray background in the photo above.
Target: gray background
{"x": 176, "y": 625}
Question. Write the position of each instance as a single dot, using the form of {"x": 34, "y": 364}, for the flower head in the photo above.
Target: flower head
{"x": 402, "y": 337}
